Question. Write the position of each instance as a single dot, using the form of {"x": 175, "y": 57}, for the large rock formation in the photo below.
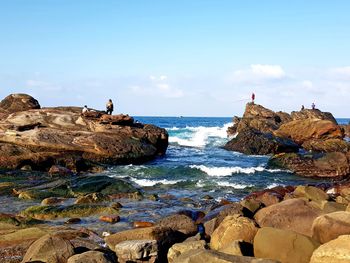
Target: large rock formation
{"x": 41, "y": 138}
{"x": 324, "y": 152}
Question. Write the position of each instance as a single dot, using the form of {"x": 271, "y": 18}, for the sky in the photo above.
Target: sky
{"x": 178, "y": 57}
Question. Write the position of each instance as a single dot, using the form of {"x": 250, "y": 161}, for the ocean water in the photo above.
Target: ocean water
{"x": 196, "y": 165}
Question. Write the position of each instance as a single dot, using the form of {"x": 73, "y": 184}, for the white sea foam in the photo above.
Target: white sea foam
{"x": 273, "y": 185}
{"x": 147, "y": 182}
{"x": 199, "y": 136}
{"x": 234, "y": 185}
{"x": 227, "y": 171}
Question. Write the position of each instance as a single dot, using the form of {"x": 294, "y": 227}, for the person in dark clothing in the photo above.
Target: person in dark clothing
{"x": 109, "y": 107}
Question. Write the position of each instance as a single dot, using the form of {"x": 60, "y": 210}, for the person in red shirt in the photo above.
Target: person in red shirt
{"x": 253, "y": 97}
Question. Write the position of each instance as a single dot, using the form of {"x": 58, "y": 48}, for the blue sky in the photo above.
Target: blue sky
{"x": 191, "y": 58}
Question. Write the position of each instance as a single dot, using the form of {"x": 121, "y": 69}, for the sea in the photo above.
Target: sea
{"x": 195, "y": 173}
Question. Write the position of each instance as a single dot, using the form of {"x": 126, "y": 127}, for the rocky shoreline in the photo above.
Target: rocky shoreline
{"x": 47, "y": 154}
{"x": 310, "y": 143}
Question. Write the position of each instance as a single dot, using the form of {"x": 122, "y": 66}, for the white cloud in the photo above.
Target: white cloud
{"x": 157, "y": 86}
{"x": 42, "y": 85}
{"x": 340, "y": 73}
{"x": 258, "y": 73}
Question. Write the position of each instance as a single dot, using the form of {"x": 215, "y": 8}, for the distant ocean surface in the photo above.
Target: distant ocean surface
{"x": 195, "y": 164}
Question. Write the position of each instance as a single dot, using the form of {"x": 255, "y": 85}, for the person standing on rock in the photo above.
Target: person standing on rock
{"x": 109, "y": 107}
{"x": 313, "y": 106}
{"x": 85, "y": 109}
{"x": 253, "y": 97}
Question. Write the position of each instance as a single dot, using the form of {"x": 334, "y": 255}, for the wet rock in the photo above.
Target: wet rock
{"x": 202, "y": 255}
{"x": 249, "y": 141}
{"x": 179, "y": 248}
{"x": 294, "y": 214}
{"x": 141, "y": 224}
{"x": 57, "y": 170}
{"x": 74, "y": 220}
{"x": 89, "y": 257}
{"x": 11, "y": 220}
{"x": 181, "y": 223}
{"x": 53, "y": 201}
{"x": 330, "y": 145}
{"x": 235, "y": 227}
{"x": 110, "y": 219}
{"x": 137, "y": 250}
{"x": 18, "y": 102}
{"x": 330, "y": 226}
{"x": 50, "y": 249}
{"x": 283, "y": 245}
{"x": 335, "y": 251}
{"x": 301, "y": 131}
{"x": 327, "y": 165}
{"x": 91, "y": 198}
{"x": 52, "y": 212}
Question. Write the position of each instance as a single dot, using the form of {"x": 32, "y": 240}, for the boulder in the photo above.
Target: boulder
{"x": 335, "y": 251}
{"x": 110, "y": 219}
{"x": 181, "y": 223}
{"x": 330, "y": 226}
{"x": 249, "y": 141}
{"x": 89, "y": 257}
{"x": 18, "y": 102}
{"x": 311, "y": 193}
{"x": 326, "y": 165}
{"x": 91, "y": 198}
{"x": 136, "y": 250}
{"x": 283, "y": 245}
{"x": 41, "y": 138}
{"x": 213, "y": 219}
{"x": 179, "y": 248}
{"x": 212, "y": 256}
{"x": 50, "y": 249}
{"x": 235, "y": 227}
{"x": 165, "y": 236}
{"x": 312, "y": 114}
{"x": 259, "y": 118}
{"x": 329, "y": 145}
{"x": 293, "y": 214}
{"x": 301, "y": 131}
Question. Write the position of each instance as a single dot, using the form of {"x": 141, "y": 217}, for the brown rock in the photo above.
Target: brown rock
{"x": 140, "y": 224}
{"x": 179, "y": 248}
{"x": 283, "y": 245}
{"x": 53, "y": 201}
{"x": 301, "y": 131}
{"x": 58, "y": 170}
{"x": 50, "y": 249}
{"x": 335, "y": 251}
{"x": 110, "y": 219}
{"x": 294, "y": 214}
{"x": 164, "y": 236}
{"x": 212, "y": 256}
{"x": 137, "y": 251}
{"x": 235, "y": 227}
{"x": 181, "y": 223}
{"x": 117, "y": 119}
{"x": 311, "y": 193}
{"x": 18, "y": 102}
{"x": 89, "y": 257}
{"x": 329, "y": 145}
{"x": 330, "y": 226}
{"x": 312, "y": 114}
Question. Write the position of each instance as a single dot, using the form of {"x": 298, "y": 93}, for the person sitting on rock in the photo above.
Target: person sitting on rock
{"x": 302, "y": 107}
{"x": 84, "y": 110}
{"x": 109, "y": 107}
